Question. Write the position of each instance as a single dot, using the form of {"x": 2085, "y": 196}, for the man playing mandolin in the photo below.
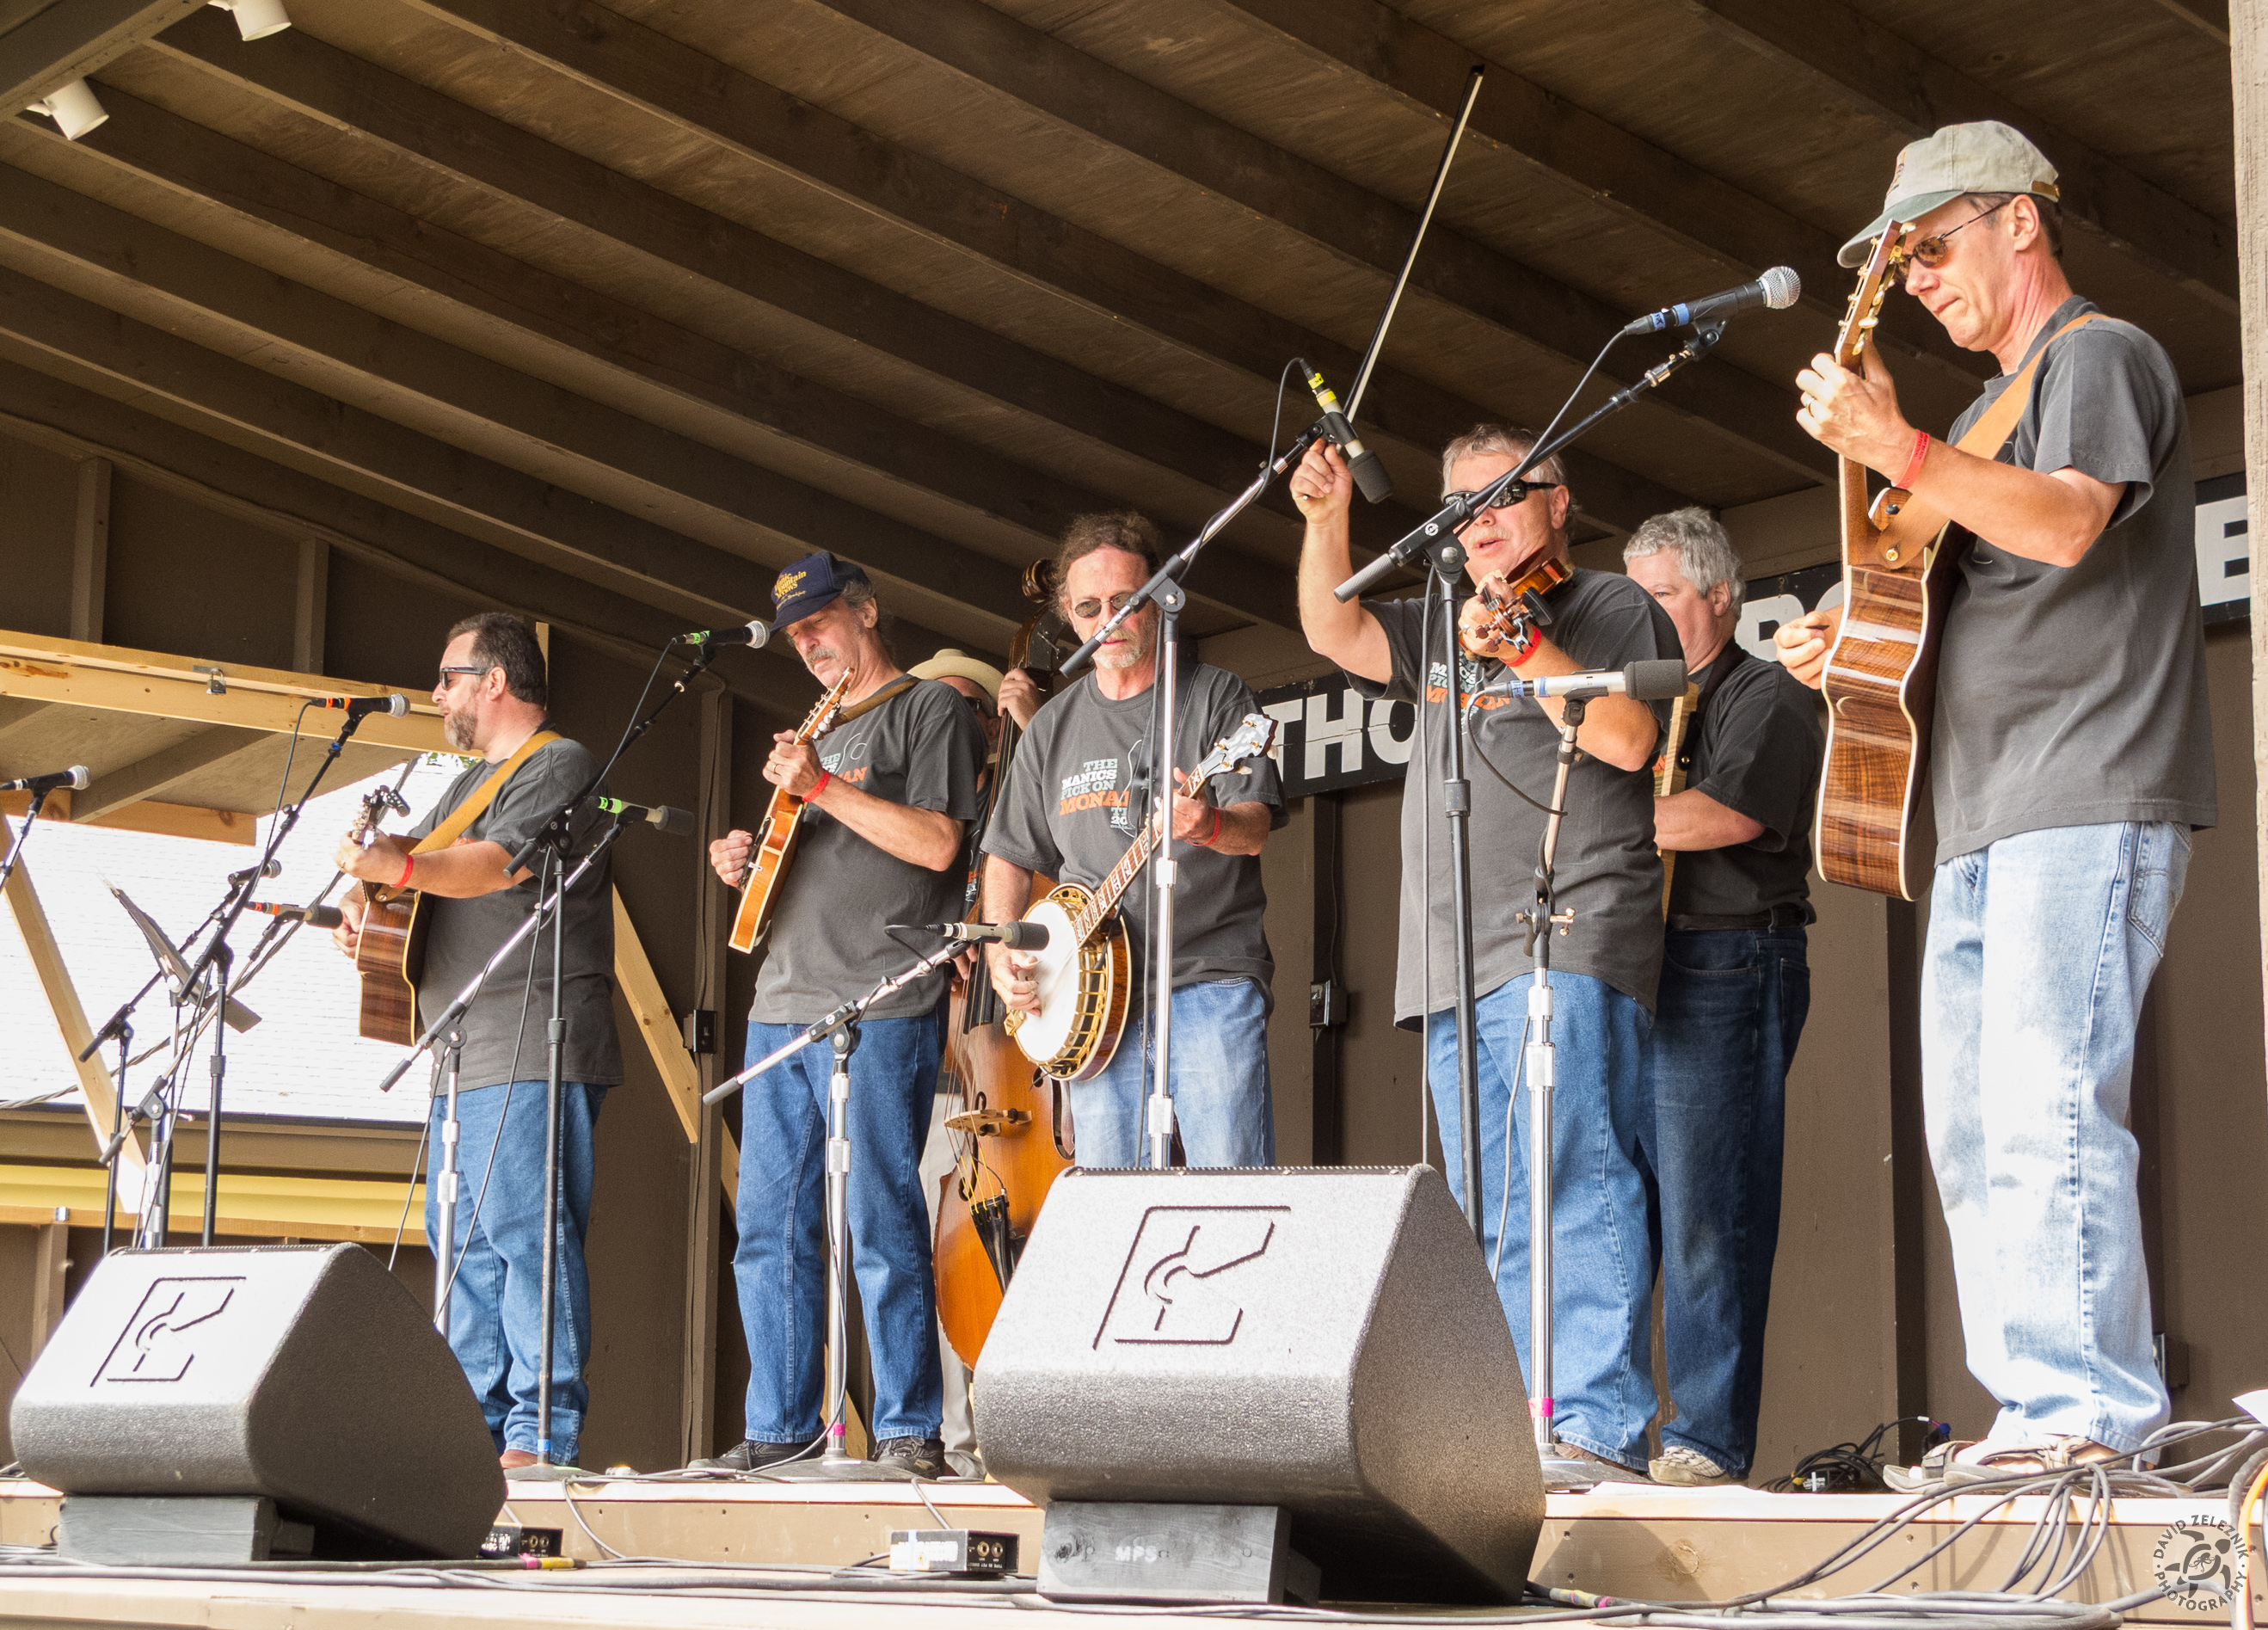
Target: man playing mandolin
{"x": 1072, "y": 805}
{"x": 2072, "y": 757}
{"x": 886, "y": 793}
{"x": 492, "y": 695}
{"x": 1603, "y": 970}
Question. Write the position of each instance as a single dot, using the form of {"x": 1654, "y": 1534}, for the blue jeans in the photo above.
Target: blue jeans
{"x": 1602, "y": 1264}
{"x": 2041, "y": 947}
{"x": 779, "y": 1268}
{"x": 1221, "y": 1104}
{"x": 495, "y": 1308}
{"x": 1726, "y": 1023}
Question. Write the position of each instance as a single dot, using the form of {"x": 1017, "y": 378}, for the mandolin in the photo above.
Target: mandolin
{"x": 1081, "y": 973}
{"x": 391, "y": 945}
{"x": 776, "y": 838}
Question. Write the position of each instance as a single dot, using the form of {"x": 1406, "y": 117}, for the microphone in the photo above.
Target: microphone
{"x": 1776, "y": 290}
{"x": 313, "y": 916}
{"x": 677, "y": 823}
{"x": 754, "y": 634}
{"x": 1656, "y": 681}
{"x": 359, "y": 707}
{"x": 1369, "y": 473}
{"x": 266, "y": 868}
{"x": 75, "y": 778}
{"x": 1015, "y": 936}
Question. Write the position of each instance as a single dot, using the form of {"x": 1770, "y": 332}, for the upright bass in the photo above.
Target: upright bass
{"x": 1012, "y": 1133}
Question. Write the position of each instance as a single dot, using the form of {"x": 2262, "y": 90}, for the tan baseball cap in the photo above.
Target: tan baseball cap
{"x": 1987, "y": 157}
{"x": 951, "y": 664}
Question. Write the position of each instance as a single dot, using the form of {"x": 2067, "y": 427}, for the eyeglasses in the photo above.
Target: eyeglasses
{"x": 1931, "y": 252}
{"x": 448, "y": 676}
{"x": 1505, "y": 499}
{"x": 1087, "y": 610}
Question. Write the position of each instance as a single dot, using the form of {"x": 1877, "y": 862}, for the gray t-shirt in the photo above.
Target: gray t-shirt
{"x": 2075, "y": 696}
{"x": 1755, "y": 750}
{"x": 1077, "y": 791}
{"x": 462, "y": 934}
{"x": 1606, "y": 870}
{"x": 922, "y": 748}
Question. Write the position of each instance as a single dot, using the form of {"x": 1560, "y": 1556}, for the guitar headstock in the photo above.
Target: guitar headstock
{"x": 1250, "y": 740}
{"x": 377, "y": 804}
{"x": 1883, "y": 268}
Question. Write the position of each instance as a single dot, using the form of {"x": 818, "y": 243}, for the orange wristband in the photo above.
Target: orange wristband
{"x": 1209, "y": 836}
{"x": 1913, "y": 465}
{"x": 409, "y": 864}
{"x": 818, "y": 786}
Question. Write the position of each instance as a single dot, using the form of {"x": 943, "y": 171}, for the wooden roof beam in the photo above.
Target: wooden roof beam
{"x": 151, "y": 777}
{"x": 71, "y": 39}
{"x": 258, "y": 492}
{"x": 1560, "y": 143}
{"x": 1863, "y": 64}
{"x": 1341, "y": 221}
{"x": 653, "y": 364}
{"x": 715, "y": 104}
{"x": 16, "y": 714}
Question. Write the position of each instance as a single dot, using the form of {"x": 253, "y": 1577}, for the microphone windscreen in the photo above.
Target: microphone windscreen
{"x": 1781, "y": 287}
{"x": 677, "y": 823}
{"x": 78, "y": 777}
{"x": 1370, "y": 477}
{"x": 1657, "y": 681}
{"x": 397, "y": 704}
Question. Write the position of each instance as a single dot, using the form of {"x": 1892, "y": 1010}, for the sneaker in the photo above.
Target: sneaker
{"x": 1598, "y": 1466}
{"x": 1681, "y": 1467}
{"x": 748, "y": 1455}
{"x": 922, "y": 1457}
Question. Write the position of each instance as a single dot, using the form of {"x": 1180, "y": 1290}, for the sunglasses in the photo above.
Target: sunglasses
{"x": 1087, "y": 610}
{"x": 1931, "y": 252}
{"x": 449, "y": 676}
{"x": 1505, "y": 499}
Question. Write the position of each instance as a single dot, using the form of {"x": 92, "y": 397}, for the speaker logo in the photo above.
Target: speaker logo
{"x": 1178, "y": 1286}
{"x": 160, "y": 1339}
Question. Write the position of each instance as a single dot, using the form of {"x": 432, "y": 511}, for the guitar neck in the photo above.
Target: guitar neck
{"x": 1107, "y": 893}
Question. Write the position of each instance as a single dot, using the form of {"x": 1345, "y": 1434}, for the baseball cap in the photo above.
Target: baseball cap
{"x": 811, "y": 584}
{"x": 1986, "y": 156}
{"x": 951, "y": 664}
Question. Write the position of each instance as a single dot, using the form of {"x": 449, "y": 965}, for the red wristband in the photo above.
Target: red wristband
{"x": 1207, "y": 840}
{"x": 1913, "y": 465}
{"x": 818, "y": 786}
{"x": 409, "y": 864}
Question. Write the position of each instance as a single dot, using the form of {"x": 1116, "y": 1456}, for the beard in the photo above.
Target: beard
{"x": 457, "y": 731}
{"x": 1131, "y": 654}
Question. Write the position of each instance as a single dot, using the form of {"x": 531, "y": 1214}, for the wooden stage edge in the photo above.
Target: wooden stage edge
{"x": 1626, "y": 1540}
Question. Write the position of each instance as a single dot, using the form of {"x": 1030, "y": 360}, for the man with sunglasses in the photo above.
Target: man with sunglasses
{"x": 1075, "y": 798}
{"x": 2071, "y": 756}
{"x": 1603, "y": 967}
{"x": 492, "y": 697}
{"x": 887, "y": 793}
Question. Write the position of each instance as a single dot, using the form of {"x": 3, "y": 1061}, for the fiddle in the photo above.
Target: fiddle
{"x": 1506, "y": 613}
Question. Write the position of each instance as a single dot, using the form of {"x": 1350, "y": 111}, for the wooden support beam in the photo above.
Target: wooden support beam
{"x": 16, "y": 714}
{"x": 1827, "y": 45}
{"x": 576, "y": 336}
{"x": 463, "y": 143}
{"x": 90, "y": 551}
{"x": 77, "y": 424}
{"x": 715, "y": 511}
{"x": 70, "y": 1020}
{"x": 1337, "y": 222}
{"x": 152, "y": 777}
{"x": 311, "y": 605}
{"x": 2248, "y": 49}
{"x": 71, "y": 39}
{"x": 657, "y": 1026}
{"x": 2209, "y": 17}
{"x": 51, "y": 1262}
{"x": 1544, "y": 135}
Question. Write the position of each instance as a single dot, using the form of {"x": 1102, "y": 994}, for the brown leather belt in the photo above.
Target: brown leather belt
{"x": 1779, "y": 917}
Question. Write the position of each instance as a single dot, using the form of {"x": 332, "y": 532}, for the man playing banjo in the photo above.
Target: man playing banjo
{"x": 1073, "y": 803}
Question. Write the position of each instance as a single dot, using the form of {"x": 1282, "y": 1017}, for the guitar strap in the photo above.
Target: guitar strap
{"x": 899, "y": 686}
{"x": 1915, "y": 523}
{"x": 1734, "y": 654}
{"x": 464, "y": 814}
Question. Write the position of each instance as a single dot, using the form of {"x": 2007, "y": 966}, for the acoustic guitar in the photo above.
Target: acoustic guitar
{"x": 391, "y": 946}
{"x": 1082, "y": 969}
{"x": 776, "y": 838}
{"x": 1670, "y": 774}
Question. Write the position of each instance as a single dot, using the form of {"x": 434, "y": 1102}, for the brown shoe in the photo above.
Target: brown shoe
{"x": 513, "y": 1459}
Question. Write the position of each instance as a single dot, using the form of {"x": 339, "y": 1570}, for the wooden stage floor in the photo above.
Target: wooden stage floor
{"x": 1627, "y": 1541}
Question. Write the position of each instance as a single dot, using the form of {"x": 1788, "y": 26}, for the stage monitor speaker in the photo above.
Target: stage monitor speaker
{"x": 1324, "y": 1340}
{"x": 306, "y": 1375}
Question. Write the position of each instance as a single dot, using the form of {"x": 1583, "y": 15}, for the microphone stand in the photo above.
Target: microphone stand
{"x": 841, "y": 1027}
{"x": 16, "y": 850}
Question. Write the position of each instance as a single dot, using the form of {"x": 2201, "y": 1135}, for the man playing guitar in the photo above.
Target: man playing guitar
{"x": 887, "y": 793}
{"x": 1604, "y": 968}
{"x": 491, "y": 694}
{"x": 1072, "y": 805}
{"x": 2072, "y": 757}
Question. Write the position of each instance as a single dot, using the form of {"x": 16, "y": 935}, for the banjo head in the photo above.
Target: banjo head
{"x": 1041, "y": 1034}
{"x": 1082, "y": 992}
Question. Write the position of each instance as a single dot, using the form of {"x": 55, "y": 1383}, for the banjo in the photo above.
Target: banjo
{"x": 1082, "y": 974}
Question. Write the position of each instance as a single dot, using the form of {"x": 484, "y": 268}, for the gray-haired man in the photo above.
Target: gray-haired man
{"x": 1734, "y": 990}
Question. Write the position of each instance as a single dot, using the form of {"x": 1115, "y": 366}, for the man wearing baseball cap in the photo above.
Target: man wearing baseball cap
{"x": 887, "y": 793}
{"x": 2072, "y": 757}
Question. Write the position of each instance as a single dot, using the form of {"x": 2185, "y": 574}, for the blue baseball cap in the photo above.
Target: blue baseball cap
{"x": 809, "y": 584}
